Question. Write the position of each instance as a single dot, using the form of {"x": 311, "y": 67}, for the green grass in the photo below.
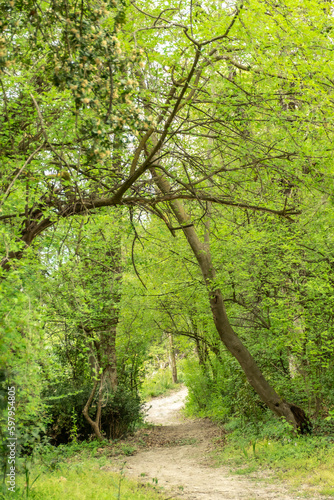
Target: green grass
{"x": 79, "y": 472}
{"x": 303, "y": 460}
{"x": 158, "y": 384}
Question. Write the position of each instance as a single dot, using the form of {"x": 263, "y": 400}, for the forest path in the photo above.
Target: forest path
{"x": 177, "y": 459}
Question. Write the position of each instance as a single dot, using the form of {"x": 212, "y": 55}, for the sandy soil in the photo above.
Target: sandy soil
{"x": 177, "y": 459}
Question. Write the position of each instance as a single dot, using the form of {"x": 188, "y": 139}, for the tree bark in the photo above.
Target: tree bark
{"x": 230, "y": 339}
{"x": 200, "y": 347}
{"x": 108, "y": 357}
{"x": 172, "y": 359}
{"x": 96, "y": 424}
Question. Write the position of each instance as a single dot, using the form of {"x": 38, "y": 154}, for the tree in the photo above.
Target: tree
{"x": 222, "y": 119}
{"x": 84, "y": 296}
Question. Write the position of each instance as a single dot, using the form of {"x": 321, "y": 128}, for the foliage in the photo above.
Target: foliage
{"x": 21, "y": 357}
{"x": 218, "y": 391}
{"x": 121, "y": 412}
{"x": 296, "y": 460}
{"x": 279, "y": 269}
{"x": 124, "y": 129}
{"x": 61, "y": 408}
{"x": 157, "y": 384}
{"x": 76, "y": 473}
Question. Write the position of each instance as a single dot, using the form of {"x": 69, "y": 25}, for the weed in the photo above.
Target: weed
{"x": 78, "y": 478}
{"x": 156, "y": 385}
{"x": 118, "y": 483}
{"x": 297, "y": 459}
{"x": 185, "y": 441}
{"x": 127, "y": 449}
{"x": 74, "y": 428}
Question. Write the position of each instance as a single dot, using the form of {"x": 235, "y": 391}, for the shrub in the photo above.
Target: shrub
{"x": 65, "y": 411}
{"x": 120, "y": 413}
{"x": 219, "y": 391}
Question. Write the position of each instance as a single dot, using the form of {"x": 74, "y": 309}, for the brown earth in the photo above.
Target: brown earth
{"x": 174, "y": 454}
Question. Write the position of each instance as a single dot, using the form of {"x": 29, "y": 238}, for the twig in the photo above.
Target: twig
{"x": 5, "y": 196}
{"x": 44, "y": 132}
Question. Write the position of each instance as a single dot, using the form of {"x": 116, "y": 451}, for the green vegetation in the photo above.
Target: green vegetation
{"x": 78, "y": 472}
{"x": 159, "y": 383}
{"x": 252, "y": 440}
{"x": 297, "y": 460}
{"x": 166, "y": 201}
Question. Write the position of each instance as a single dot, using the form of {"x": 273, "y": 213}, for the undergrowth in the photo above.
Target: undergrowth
{"x": 255, "y": 439}
{"x": 307, "y": 460}
{"x": 159, "y": 383}
{"x": 76, "y": 471}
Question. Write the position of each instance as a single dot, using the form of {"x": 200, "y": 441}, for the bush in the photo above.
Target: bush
{"x": 65, "y": 413}
{"x": 120, "y": 413}
{"x": 30, "y": 427}
{"x": 220, "y": 391}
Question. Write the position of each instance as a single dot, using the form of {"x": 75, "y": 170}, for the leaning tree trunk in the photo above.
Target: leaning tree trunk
{"x": 95, "y": 424}
{"x": 268, "y": 395}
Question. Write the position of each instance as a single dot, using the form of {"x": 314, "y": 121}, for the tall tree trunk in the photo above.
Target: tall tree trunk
{"x": 108, "y": 357}
{"x": 201, "y": 251}
{"x": 200, "y": 347}
{"x": 172, "y": 360}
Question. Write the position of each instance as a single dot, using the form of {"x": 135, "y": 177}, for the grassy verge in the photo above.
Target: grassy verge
{"x": 158, "y": 384}
{"x": 77, "y": 472}
{"x": 304, "y": 460}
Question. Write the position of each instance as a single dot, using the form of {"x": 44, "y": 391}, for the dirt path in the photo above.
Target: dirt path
{"x": 178, "y": 459}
